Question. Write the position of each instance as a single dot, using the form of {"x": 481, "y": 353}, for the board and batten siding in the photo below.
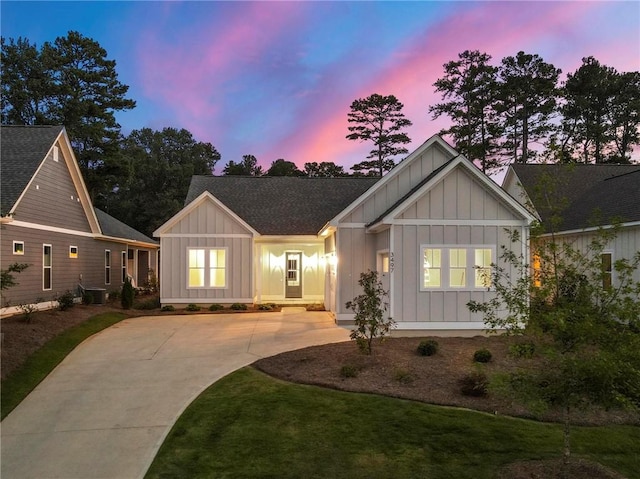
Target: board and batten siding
{"x": 52, "y": 199}
{"x": 206, "y": 226}
{"x": 396, "y": 187}
{"x": 67, "y": 273}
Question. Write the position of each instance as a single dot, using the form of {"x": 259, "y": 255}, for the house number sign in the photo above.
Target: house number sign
{"x": 391, "y": 262}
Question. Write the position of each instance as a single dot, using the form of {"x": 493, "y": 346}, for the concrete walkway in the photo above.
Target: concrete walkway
{"x": 106, "y": 409}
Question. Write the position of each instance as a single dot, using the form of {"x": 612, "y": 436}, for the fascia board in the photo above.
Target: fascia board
{"x": 115, "y": 239}
{"x": 204, "y": 196}
{"x": 434, "y": 140}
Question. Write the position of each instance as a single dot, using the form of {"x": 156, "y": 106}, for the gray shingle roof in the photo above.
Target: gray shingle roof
{"x": 111, "y": 226}
{"x": 282, "y": 205}
{"x": 22, "y": 149}
{"x": 594, "y": 194}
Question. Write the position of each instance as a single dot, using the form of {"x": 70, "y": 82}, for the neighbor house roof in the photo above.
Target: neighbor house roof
{"x": 115, "y": 228}
{"x": 23, "y": 149}
{"x": 282, "y": 205}
{"x": 594, "y": 195}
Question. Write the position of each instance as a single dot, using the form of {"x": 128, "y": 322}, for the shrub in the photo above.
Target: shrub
{"x": 482, "y": 356}
{"x": 168, "y": 307}
{"x": 65, "y": 301}
{"x": 87, "y": 298}
{"x": 151, "y": 303}
{"x": 370, "y": 309}
{"x": 402, "y": 376}
{"x": 239, "y": 307}
{"x": 128, "y": 294}
{"x": 428, "y": 347}
{"x": 192, "y": 307}
{"x": 474, "y": 384}
{"x": 216, "y": 307}
{"x": 349, "y": 371}
{"x": 27, "y": 312}
{"x": 265, "y": 307}
{"x": 522, "y": 350}
{"x": 114, "y": 295}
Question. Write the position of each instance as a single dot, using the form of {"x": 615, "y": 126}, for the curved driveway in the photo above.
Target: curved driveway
{"x": 106, "y": 409}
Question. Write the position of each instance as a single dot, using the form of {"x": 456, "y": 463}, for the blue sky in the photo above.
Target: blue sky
{"x": 275, "y": 79}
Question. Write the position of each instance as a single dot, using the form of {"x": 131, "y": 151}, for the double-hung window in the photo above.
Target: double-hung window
{"x": 207, "y": 267}
{"x": 456, "y": 267}
{"x": 47, "y": 265}
{"x": 607, "y": 269}
{"x": 107, "y": 266}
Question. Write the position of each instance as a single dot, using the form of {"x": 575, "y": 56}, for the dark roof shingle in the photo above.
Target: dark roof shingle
{"x": 282, "y": 205}
{"x": 22, "y": 149}
{"x": 594, "y": 195}
{"x": 115, "y": 228}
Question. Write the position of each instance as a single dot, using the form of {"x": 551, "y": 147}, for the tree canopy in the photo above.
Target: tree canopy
{"x": 247, "y": 167}
{"x": 379, "y": 119}
{"x": 324, "y": 169}
{"x": 281, "y": 167}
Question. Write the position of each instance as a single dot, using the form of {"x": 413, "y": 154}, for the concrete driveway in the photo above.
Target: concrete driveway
{"x": 106, "y": 409}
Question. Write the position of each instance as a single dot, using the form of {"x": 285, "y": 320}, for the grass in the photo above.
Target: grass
{"x": 250, "y": 425}
{"x": 24, "y": 379}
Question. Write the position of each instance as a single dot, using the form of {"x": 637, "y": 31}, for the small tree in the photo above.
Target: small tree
{"x": 586, "y": 329}
{"x": 7, "y": 280}
{"x": 128, "y": 294}
{"x": 369, "y": 309}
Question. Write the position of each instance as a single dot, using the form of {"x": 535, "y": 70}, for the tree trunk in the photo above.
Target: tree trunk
{"x": 566, "y": 451}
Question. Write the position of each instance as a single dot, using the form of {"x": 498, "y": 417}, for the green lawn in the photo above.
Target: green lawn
{"x": 249, "y": 425}
{"x": 23, "y": 380}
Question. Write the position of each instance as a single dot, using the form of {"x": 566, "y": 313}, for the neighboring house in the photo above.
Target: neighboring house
{"x": 588, "y": 197}
{"x": 48, "y": 221}
{"x": 427, "y": 227}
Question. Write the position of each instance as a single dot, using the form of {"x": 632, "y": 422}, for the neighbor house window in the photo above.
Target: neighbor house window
{"x": 459, "y": 267}
{"x": 124, "y": 266}
{"x": 537, "y": 270}
{"x": 207, "y": 267}
{"x": 107, "y": 266}
{"x": 46, "y": 266}
{"x": 73, "y": 251}
{"x": 607, "y": 269}
{"x": 18, "y": 247}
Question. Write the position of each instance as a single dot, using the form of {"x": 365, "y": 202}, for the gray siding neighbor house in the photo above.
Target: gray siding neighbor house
{"x": 426, "y": 227}
{"x": 590, "y": 197}
{"x": 47, "y": 221}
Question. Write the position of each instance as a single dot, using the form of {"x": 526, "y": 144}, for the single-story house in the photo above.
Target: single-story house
{"x": 586, "y": 197}
{"x": 48, "y": 221}
{"x": 428, "y": 227}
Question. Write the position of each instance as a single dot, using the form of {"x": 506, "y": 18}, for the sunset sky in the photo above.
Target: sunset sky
{"x": 275, "y": 79}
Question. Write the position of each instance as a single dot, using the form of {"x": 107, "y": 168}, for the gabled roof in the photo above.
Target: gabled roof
{"x": 282, "y": 205}
{"x": 595, "y": 195}
{"x": 437, "y": 176}
{"x": 23, "y": 149}
{"x": 115, "y": 228}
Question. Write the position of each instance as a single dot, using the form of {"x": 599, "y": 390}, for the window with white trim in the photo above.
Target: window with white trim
{"x": 206, "y": 267}
{"x": 107, "y": 266}
{"x": 124, "y": 266}
{"x": 73, "y": 252}
{"x": 18, "y": 247}
{"x": 459, "y": 267}
{"x": 47, "y": 265}
{"x": 606, "y": 260}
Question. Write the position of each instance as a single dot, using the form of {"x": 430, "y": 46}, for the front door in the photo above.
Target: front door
{"x": 293, "y": 279}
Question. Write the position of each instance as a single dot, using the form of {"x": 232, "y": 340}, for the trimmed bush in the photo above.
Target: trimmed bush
{"x": 403, "y": 376}
{"x": 216, "y": 307}
{"x": 87, "y": 298}
{"x": 482, "y": 356}
{"x": 522, "y": 350}
{"x": 474, "y": 384}
{"x": 168, "y": 307}
{"x": 65, "y": 301}
{"x": 192, "y": 307}
{"x": 151, "y": 303}
{"x": 239, "y": 307}
{"x": 428, "y": 347}
{"x": 265, "y": 307}
{"x": 128, "y": 295}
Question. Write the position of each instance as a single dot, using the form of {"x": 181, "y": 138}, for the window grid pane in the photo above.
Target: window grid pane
{"x": 196, "y": 268}
{"x": 482, "y": 267}
{"x": 457, "y": 267}
{"x": 432, "y": 263}
{"x": 217, "y": 264}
